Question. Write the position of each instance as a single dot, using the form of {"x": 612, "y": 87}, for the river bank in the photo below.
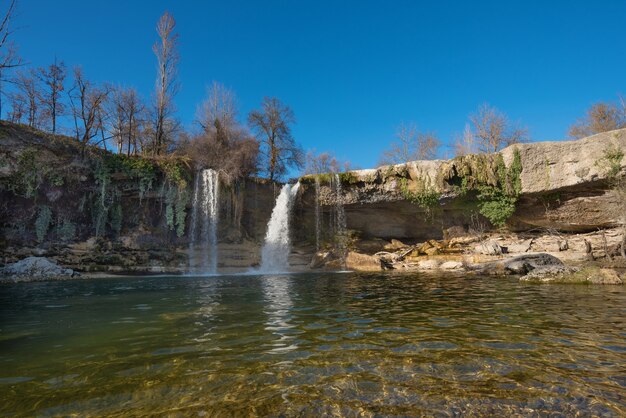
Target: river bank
{"x": 92, "y": 211}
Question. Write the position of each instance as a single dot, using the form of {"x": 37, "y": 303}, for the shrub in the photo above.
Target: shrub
{"x": 497, "y": 202}
{"x": 42, "y": 223}
{"x": 611, "y": 161}
{"x": 66, "y": 231}
{"x": 27, "y": 178}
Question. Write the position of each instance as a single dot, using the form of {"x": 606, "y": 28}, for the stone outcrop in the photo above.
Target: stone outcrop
{"x": 54, "y": 193}
{"x": 564, "y": 186}
{"x": 35, "y": 268}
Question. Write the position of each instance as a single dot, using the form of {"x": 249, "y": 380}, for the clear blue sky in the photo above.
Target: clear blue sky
{"x": 353, "y": 70}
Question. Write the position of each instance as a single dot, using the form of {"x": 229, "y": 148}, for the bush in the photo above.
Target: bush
{"x": 42, "y": 223}
{"x": 66, "y": 231}
{"x": 497, "y": 203}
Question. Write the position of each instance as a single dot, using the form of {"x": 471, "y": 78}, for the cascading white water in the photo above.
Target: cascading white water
{"x": 277, "y": 246}
{"x": 204, "y": 222}
{"x": 341, "y": 224}
{"x": 318, "y": 229}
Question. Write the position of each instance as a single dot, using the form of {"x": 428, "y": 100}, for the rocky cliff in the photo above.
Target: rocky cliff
{"x": 564, "y": 186}
{"x": 92, "y": 210}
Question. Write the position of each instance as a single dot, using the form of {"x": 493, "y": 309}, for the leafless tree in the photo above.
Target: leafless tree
{"x": 8, "y": 52}
{"x": 466, "y": 144}
{"x": 278, "y": 147}
{"x": 492, "y": 130}
{"x": 411, "y": 145}
{"x": 324, "y": 163}
{"x": 126, "y": 119}
{"x": 53, "y": 79}
{"x": 218, "y": 112}
{"x": 88, "y": 108}
{"x": 600, "y": 117}
{"x": 223, "y": 144}
{"x": 9, "y": 57}
{"x": 28, "y": 93}
{"x": 166, "y": 51}
{"x": 19, "y": 107}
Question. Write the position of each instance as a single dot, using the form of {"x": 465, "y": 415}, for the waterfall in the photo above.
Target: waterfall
{"x": 277, "y": 246}
{"x": 204, "y": 222}
{"x": 341, "y": 232}
{"x": 318, "y": 230}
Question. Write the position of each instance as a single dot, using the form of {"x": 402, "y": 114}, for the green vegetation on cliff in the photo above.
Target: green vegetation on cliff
{"x": 57, "y": 190}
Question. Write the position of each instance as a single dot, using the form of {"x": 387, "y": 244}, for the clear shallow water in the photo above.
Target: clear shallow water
{"x": 310, "y": 345}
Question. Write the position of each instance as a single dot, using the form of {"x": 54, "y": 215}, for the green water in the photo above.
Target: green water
{"x": 311, "y": 345}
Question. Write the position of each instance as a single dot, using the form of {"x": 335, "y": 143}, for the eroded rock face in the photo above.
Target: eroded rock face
{"x": 564, "y": 187}
{"x": 553, "y": 166}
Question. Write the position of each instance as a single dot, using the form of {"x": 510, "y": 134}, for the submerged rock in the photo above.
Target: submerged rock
{"x": 588, "y": 275}
{"x": 36, "y": 268}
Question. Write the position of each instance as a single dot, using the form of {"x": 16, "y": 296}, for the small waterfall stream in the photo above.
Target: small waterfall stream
{"x": 318, "y": 228}
{"x": 277, "y": 246}
{"x": 341, "y": 232}
{"x": 204, "y": 222}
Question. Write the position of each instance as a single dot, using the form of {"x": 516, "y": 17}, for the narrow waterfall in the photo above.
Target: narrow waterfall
{"x": 204, "y": 222}
{"x": 341, "y": 233}
{"x": 318, "y": 230}
{"x": 277, "y": 246}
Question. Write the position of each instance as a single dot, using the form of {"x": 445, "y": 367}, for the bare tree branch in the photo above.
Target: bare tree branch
{"x": 411, "y": 145}
{"x": 492, "y": 130}
{"x": 600, "y": 117}
{"x": 166, "y": 52}
{"x": 278, "y": 147}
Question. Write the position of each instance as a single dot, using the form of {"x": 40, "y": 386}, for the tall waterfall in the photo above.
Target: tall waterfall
{"x": 318, "y": 229}
{"x": 277, "y": 246}
{"x": 204, "y": 222}
{"x": 341, "y": 232}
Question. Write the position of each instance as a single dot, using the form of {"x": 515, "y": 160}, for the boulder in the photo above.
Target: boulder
{"x": 431, "y": 247}
{"x": 459, "y": 241}
{"x": 522, "y": 264}
{"x": 36, "y": 268}
{"x": 451, "y": 265}
{"x": 320, "y": 259}
{"x": 362, "y": 262}
{"x": 489, "y": 248}
{"x": 521, "y": 247}
{"x": 428, "y": 265}
{"x": 395, "y": 245}
{"x": 528, "y": 262}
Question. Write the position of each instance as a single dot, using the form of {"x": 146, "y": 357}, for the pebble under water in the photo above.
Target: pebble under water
{"x": 311, "y": 344}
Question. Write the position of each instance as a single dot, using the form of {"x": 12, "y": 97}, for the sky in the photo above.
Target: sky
{"x": 353, "y": 71}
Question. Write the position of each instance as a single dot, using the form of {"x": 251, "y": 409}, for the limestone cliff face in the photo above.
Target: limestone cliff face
{"x": 562, "y": 185}
{"x": 90, "y": 210}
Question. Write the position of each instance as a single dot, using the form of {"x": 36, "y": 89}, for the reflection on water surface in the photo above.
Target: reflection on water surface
{"x": 334, "y": 344}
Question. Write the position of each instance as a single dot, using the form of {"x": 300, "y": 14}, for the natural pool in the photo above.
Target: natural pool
{"x": 311, "y": 344}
